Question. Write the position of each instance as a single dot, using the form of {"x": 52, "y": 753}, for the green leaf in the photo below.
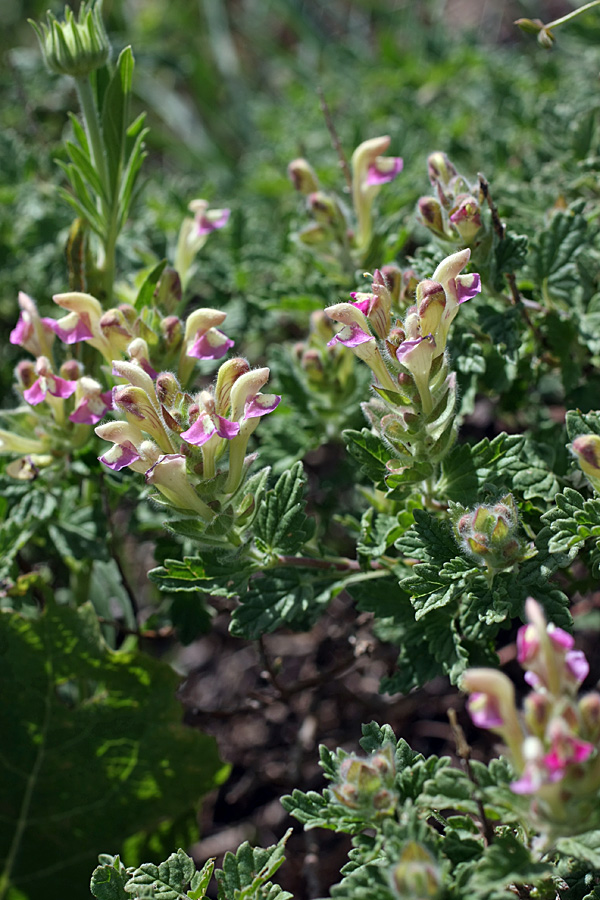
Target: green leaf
{"x": 370, "y": 452}
{"x": 585, "y": 847}
{"x": 508, "y": 255}
{"x": 193, "y": 574}
{"x": 94, "y": 748}
{"x": 281, "y": 525}
{"x": 109, "y": 880}
{"x": 291, "y": 596}
{"x": 167, "y": 881}
{"x": 247, "y": 873}
{"x": 582, "y": 423}
{"x": 507, "y": 861}
{"x": 555, "y": 250}
{"x": 145, "y": 295}
{"x": 115, "y": 116}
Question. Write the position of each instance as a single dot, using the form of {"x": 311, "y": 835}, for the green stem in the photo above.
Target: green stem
{"x": 108, "y": 203}
{"x": 92, "y": 127}
{"x": 573, "y": 14}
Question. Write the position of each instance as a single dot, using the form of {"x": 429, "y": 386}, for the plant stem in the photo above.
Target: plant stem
{"x": 572, "y": 15}
{"x": 108, "y": 203}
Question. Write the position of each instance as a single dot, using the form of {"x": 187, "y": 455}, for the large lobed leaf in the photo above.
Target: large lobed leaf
{"x": 93, "y": 749}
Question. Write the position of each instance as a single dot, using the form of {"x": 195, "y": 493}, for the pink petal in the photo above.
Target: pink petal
{"x": 22, "y": 330}
{"x": 351, "y": 336}
{"x": 200, "y": 432}
{"x": 119, "y": 456}
{"x": 467, "y": 286}
{"x": 227, "y": 429}
{"x": 561, "y": 639}
{"x": 484, "y": 711}
{"x": 365, "y": 304}
{"x": 577, "y": 665}
{"x": 260, "y": 405}
{"x": 206, "y": 224}
{"x": 91, "y": 409}
{"x": 36, "y": 393}
{"x": 381, "y": 174}
{"x": 81, "y": 330}
{"x": 211, "y": 345}
{"x": 527, "y": 643}
{"x": 60, "y": 387}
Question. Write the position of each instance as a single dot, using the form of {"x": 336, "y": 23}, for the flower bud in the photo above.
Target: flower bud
{"x": 440, "y": 169}
{"x": 465, "y": 216}
{"x": 589, "y": 712}
{"x": 392, "y": 276}
{"x": 586, "y": 448}
{"x": 138, "y": 352}
{"x": 430, "y": 214}
{"x": 228, "y": 374}
{"x": 25, "y": 373}
{"x": 303, "y": 176}
{"x": 168, "y": 291}
{"x": 324, "y": 209}
{"x": 171, "y": 329}
{"x": 491, "y": 535}
{"x": 74, "y": 47}
{"x": 169, "y": 475}
{"x": 431, "y": 303}
{"x": 71, "y": 369}
{"x": 417, "y": 875}
{"x": 167, "y": 389}
{"x": 368, "y": 782}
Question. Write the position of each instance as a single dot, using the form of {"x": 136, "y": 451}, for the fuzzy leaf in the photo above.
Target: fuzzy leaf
{"x": 370, "y": 452}
{"x": 247, "y": 873}
{"x": 554, "y": 253}
{"x": 109, "y": 880}
{"x": 292, "y": 596}
{"x": 281, "y": 525}
{"x": 169, "y": 880}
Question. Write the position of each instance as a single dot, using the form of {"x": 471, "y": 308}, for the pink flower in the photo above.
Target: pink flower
{"x": 384, "y": 169}
{"x": 48, "y": 383}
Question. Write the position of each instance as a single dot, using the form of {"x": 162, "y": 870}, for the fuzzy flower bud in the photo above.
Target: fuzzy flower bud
{"x": 303, "y": 176}
{"x": 76, "y": 46}
{"x": 491, "y": 534}
{"x": 368, "y": 782}
{"x": 586, "y": 448}
{"x": 417, "y": 875}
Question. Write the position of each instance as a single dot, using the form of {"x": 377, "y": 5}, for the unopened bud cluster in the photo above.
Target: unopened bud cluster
{"x": 491, "y": 534}
{"x": 368, "y": 783}
{"x": 417, "y": 874}
{"x": 337, "y": 233}
{"x": 453, "y": 212}
{"x": 414, "y": 412}
{"x": 75, "y": 46}
{"x": 554, "y": 742}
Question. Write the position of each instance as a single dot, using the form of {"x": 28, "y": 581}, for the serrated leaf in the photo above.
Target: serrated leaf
{"x": 554, "y": 253}
{"x": 292, "y": 596}
{"x": 281, "y": 525}
{"x": 507, "y": 861}
{"x": 109, "y": 880}
{"x": 585, "y": 847}
{"x": 247, "y": 873}
{"x": 508, "y": 255}
{"x": 582, "y": 423}
{"x": 200, "y": 881}
{"x": 167, "y": 881}
{"x": 370, "y": 452}
{"x": 94, "y": 748}
{"x": 192, "y": 574}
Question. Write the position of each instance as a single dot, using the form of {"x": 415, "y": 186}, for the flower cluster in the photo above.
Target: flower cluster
{"x": 554, "y": 742}
{"x": 336, "y": 231}
{"x": 176, "y": 440}
{"x": 368, "y": 783}
{"x": 491, "y": 534}
{"x": 63, "y": 398}
{"x": 454, "y": 213}
{"x": 408, "y": 358}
